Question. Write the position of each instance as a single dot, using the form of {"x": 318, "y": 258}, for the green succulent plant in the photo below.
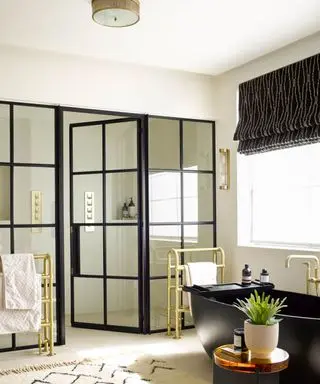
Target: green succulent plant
{"x": 261, "y": 310}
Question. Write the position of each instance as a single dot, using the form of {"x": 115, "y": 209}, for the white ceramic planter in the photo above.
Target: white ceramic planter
{"x": 261, "y": 340}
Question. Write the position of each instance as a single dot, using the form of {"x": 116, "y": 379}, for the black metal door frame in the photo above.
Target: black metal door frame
{"x": 75, "y": 227}
{"x": 58, "y": 224}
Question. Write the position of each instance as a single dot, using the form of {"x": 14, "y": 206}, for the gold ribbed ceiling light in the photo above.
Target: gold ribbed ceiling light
{"x": 116, "y": 13}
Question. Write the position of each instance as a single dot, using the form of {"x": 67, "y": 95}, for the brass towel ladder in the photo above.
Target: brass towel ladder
{"x": 45, "y": 335}
{"x": 175, "y": 283}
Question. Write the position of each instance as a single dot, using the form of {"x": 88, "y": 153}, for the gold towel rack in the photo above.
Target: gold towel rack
{"x": 45, "y": 335}
{"x": 175, "y": 283}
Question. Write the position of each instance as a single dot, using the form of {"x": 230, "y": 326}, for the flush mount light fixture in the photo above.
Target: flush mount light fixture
{"x": 116, "y": 13}
{"x": 224, "y": 165}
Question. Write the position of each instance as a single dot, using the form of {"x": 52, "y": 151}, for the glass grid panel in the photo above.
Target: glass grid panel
{"x": 162, "y": 239}
{"x": 158, "y": 304}
{"x": 122, "y": 303}
{"x": 87, "y": 148}
{"x": 4, "y": 133}
{"x": 122, "y": 250}
{"x": 34, "y": 134}
{"x": 26, "y": 180}
{"x": 197, "y": 145}
{"x": 91, "y": 251}
{"x": 164, "y": 153}
{"x": 82, "y": 184}
{"x": 197, "y": 206}
{"x": 121, "y": 145}
{"x": 88, "y": 300}
{"x": 120, "y": 188}
{"x": 34, "y": 142}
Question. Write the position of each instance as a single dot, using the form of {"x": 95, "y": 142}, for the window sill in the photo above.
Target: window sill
{"x": 287, "y": 247}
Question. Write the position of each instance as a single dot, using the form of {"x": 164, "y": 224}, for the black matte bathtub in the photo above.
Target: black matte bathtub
{"x": 215, "y": 318}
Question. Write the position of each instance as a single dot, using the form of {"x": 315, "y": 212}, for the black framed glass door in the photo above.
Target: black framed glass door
{"x": 31, "y": 198}
{"x": 106, "y": 224}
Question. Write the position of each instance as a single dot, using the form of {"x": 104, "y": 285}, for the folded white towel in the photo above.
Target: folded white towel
{"x": 19, "y": 320}
{"x": 201, "y": 273}
{"x": 19, "y": 274}
{"x": 198, "y": 273}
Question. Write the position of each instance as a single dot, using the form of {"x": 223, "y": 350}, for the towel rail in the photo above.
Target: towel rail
{"x": 175, "y": 283}
{"x": 46, "y": 334}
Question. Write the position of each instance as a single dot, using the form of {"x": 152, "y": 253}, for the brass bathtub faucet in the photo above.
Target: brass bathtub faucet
{"x": 309, "y": 279}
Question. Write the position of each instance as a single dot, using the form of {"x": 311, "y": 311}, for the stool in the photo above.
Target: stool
{"x": 231, "y": 367}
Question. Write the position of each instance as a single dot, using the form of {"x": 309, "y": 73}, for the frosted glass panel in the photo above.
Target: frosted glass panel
{"x": 88, "y": 300}
{"x": 4, "y": 195}
{"x": 4, "y": 133}
{"x": 82, "y": 184}
{"x": 197, "y": 145}
{"x": 87, "y": 148}
{"x": 121, "y": 145}
{"x": 164, "y": 144}
{"x": 91, "y": 251}
{"x": 122, "y": 250}
{"x": 120, "y": 187}
{"x": 34, "y": 134}
{"x": 122, "y": 303}
{"x": 26, "y": 180}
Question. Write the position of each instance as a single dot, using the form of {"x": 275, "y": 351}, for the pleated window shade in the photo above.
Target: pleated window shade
{"x": 280, "y": 109}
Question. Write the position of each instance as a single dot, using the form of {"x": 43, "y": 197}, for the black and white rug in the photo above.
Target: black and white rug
{"x": 127, "y": 369}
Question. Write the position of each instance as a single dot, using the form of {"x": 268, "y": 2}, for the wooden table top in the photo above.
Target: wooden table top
{"x": 226, "y": 357}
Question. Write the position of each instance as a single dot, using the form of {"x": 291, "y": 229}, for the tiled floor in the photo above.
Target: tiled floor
{"x": 186, "y": 353}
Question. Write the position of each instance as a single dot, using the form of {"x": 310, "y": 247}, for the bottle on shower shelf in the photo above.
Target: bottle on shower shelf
{"x": 246, "y": 275}
{"x": 132, "y": 209}
{"x": 125, "y": 211}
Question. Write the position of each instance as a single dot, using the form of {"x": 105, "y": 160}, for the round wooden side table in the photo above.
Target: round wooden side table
{"x": 232, "y": 367}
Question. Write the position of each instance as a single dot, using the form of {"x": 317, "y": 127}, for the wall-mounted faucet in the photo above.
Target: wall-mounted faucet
{"x": 309, "y": 279}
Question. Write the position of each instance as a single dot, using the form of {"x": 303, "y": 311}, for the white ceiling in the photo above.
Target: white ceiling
{"x": 204, "y": 36}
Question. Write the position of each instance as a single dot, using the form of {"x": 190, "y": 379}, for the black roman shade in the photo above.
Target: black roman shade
{"x": 280, "y": 109}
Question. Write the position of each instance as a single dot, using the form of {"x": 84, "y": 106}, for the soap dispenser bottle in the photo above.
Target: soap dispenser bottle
{"x": 246, "y": 275}
{"x": 264, "y": 276}
{"x": 125, "y": 211}
{"x": 132, "y": 208}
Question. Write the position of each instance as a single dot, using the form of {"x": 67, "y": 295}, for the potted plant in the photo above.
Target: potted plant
{"x": 261, "y": 329}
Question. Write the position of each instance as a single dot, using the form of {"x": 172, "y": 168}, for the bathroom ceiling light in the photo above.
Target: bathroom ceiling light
{"x": 116, "y": 13}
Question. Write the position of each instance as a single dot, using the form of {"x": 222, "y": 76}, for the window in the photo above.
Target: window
{"x": 279, "y": 198}
{"x": 165, "y": 203}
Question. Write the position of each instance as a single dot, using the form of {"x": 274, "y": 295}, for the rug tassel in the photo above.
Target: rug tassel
{"x": 39, "y": 367}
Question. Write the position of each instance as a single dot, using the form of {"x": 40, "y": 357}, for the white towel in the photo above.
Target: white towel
{"x": 19, "y": 274}
{"x": 198, "y": 273}
{"x": 201, "y": 273}
{"x": 19, "y": 320}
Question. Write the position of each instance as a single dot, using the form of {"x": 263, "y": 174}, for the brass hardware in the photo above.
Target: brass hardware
{"x": 45, "y": 335}
{"x": 174, "y": 263}
{"x": 36, "y": 210}
{"x": 309, "y": 279}
{"x": 224, "y": 168}
{"x": 89, "y": 210}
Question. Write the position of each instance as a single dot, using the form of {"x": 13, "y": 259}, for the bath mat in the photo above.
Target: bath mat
{"x": 127, "y": 369}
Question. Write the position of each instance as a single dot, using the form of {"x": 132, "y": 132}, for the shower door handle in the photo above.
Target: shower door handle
{"x": 75, "y": 250}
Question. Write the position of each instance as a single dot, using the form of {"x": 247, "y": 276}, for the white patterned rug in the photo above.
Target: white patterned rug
{"x": 126, "y": 369}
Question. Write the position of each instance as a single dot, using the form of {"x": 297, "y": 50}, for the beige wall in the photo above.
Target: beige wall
{"x": 46, "y": 77}
{"x": 227, "y": 84}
